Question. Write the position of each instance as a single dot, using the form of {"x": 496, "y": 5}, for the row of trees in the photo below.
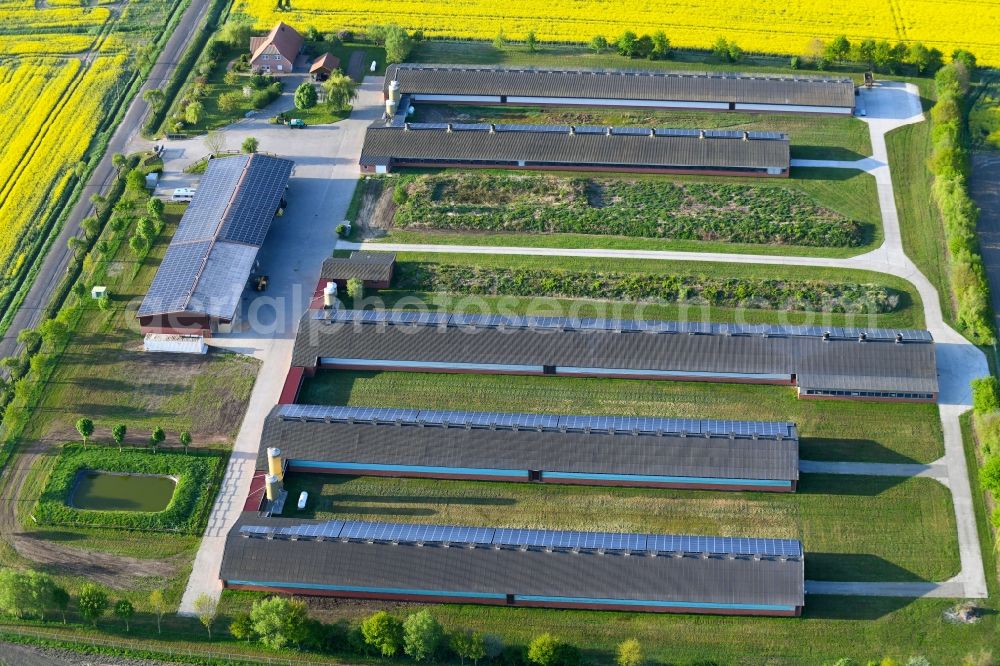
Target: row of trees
{"x": 85, "y": 427}
{"x": 279, "y": 623}
{"x": 878, "y": 55}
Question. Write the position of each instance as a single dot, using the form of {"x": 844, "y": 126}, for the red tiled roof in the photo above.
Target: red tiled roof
{"x": 326, "y": 61}
{"x": 285, "y": 40}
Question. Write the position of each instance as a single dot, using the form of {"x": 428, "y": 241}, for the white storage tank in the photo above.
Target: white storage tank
{"x": 330, "y": 295}
{"x": 174, "y": 344}
{"x": 303, "y": 498}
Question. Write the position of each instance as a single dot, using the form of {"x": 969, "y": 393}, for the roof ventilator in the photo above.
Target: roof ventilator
{"x": 701, "y": 134}
{"x": 746, "y": 136}
{"x": 493, "y": 128}
{"x": 406, "y": 127}
{"x": 862, "y": 337}
{"x": 826, "y": 336}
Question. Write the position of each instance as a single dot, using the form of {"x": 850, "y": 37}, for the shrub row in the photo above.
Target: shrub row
{"x": 986, "y": 419}
{"x": 186, "y": 512}
{"x": 950, "y": 165}
{"x": 804, "y": 295}
{"x": 644, "y": 208}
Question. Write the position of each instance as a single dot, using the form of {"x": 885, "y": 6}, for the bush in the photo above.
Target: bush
{"x": 985, "y": 395}
{"x": 383, "y": 632}
{"x": 544, "y": 650}
{"x": 422, "y": 636}
{"x": 305, "y": 96}
{"x": 988, "y": 432}
{"x": 186, "y": 512}
{"x": 230, "y": 101}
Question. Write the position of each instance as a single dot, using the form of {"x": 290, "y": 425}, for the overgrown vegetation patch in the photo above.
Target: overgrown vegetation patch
{"x": 197, "y": 477}
{"x": 649, "y": 208}
{"x": 760, "y": 293}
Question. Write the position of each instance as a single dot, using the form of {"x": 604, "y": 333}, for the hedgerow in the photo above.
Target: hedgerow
{"x": 187, "y": 511}
{"x": 764, "y": 214}
{"x": 803, "y": 295}
{"x": 950, "y": 165}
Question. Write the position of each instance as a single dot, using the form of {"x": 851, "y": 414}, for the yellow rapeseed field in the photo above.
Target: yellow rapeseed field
{"x": 771, "y": 26}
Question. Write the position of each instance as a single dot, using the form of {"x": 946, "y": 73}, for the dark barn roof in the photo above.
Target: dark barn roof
{"x": 576, "y": 444}
{"x": 368, "y": 266}
{"x": 571, "y": 146}
{"x": 878, "y": 364}
{"x": 618, "y": 84}
{"x": 214, "y": 248}
{"x": 761, "y": 574}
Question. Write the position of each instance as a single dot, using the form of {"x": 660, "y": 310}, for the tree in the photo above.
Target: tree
{"x": 251, "y": 143}
{"x": 16, "y": 593}
{"x": 661, "y": 46}
{"x": 85, "y": 427}
{"x": 91, "y": 225}
{"x": 146, "y": 228}
{"x": 124, "y": 610}
{"x": 193, "y": 111}
{"x": 118, "y": 434}
{"x": 735, "y": 52}
{"x": 839, "y": 49}
{"x": 60, "y": 600}
{"x": 500, "y": 41}
{"x": 543, "y": 650}
{"x": 965, "y": 57}
{"x": 422, "y": 636}
{"x": 135, "y": 181}
{"x": 305, "y": 96}
{"x": 185, "y": 439}
{"x": 598, "y": 43}
{"x": 626, "y": 44}
{"x": 866, "y": 52}
{"x": 154, "y": 98}
{"x": 383, "y": 632}
{"x": 75, "y": 245}
{"x": 92, "y": 602}
{"x": 229, "y": 102}
{"x": 398, "y": 43}
{"x": 215, "y": 142}
{"x": 644, "y": 47}
{"x": 158, "y": 604}
{"x": 138, "y": 244}
{"x": 154, "y": 207}
{"x": 156, "y": 438}
{"x": 279, "y": 622}
{"x": 356, "y": 291}
{"x": 119, "y": 162}
{"x": 531, "y": 41}
{"x": 629, "y": 653}
{"x": 985, "y": 394}
{"x": 468, "y": 645}
{"x": 207, "y": 609}
{"x": 104, "y": 303}
{"x": 340, "y": 91}
{"x": 241, "y": 627}
{"x": 29, "y": 338}
{"x": 54, "y": 332}
{"x": 921, "y": 57}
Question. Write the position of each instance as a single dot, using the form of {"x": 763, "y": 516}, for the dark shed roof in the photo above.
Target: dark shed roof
{"x": 695, "y": 570}
{"x": 577, "y": 444}
{"x": 619, "y": 84}
{"x": 878, "y": 364}
{"x": 631, "y": 147}
{"x": 371, "y": 266}
{"x": 213, "y": 250}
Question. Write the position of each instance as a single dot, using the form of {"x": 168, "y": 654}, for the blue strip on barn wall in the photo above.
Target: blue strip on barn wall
{"x": 706, "y": 605}
{"x": 413, "y": 469}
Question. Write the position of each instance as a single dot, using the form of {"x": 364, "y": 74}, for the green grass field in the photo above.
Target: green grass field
{"x": 851, "y": 193}
{"x": 830, "y": 430}
{"x": 908, "y": 314}
{"x": 851, "y": 527}
{"x": 812, "y": 137}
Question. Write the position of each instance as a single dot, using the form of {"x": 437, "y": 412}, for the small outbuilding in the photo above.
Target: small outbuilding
{"x": 323, "y": 66}
{"x": 374, "y": 269}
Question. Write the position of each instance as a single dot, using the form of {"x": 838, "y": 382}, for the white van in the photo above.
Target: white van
{"x": 182, "y": 194}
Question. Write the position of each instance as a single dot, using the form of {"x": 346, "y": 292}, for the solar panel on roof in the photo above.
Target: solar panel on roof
{"x": 175, "y": 280}
{"x": 414, "y": 533}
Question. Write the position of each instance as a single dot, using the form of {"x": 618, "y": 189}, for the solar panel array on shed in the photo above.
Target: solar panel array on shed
{"x": 716, "y": 87}
{"x": 215, "y": 246}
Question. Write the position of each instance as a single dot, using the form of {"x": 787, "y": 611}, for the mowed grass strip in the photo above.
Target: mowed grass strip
{"x": 830, "y": 429}
{"x": 853, "y": 528}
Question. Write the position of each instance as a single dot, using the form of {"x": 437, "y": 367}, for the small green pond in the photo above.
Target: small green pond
{"x": 107, "y": 491}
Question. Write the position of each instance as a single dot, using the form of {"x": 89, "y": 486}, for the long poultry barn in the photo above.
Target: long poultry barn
{"x": 570, "y": 148}
{"x": 199, "y": 284}
{"x": 515, "y": 567}
{"x": 542, "y": 448}
{"x": 848, "y": 363}
{"x": 715, "y": 91}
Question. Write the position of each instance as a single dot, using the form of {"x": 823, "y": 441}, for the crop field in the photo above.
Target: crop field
{"x": 63, "y": 68}
{"x": 781, "y": 26}
{"x": 830, "y": 430}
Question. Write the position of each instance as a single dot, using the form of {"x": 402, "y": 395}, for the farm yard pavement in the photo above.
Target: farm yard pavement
{"x": 320, "y": 189}
{"x": 889, "y": 105}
